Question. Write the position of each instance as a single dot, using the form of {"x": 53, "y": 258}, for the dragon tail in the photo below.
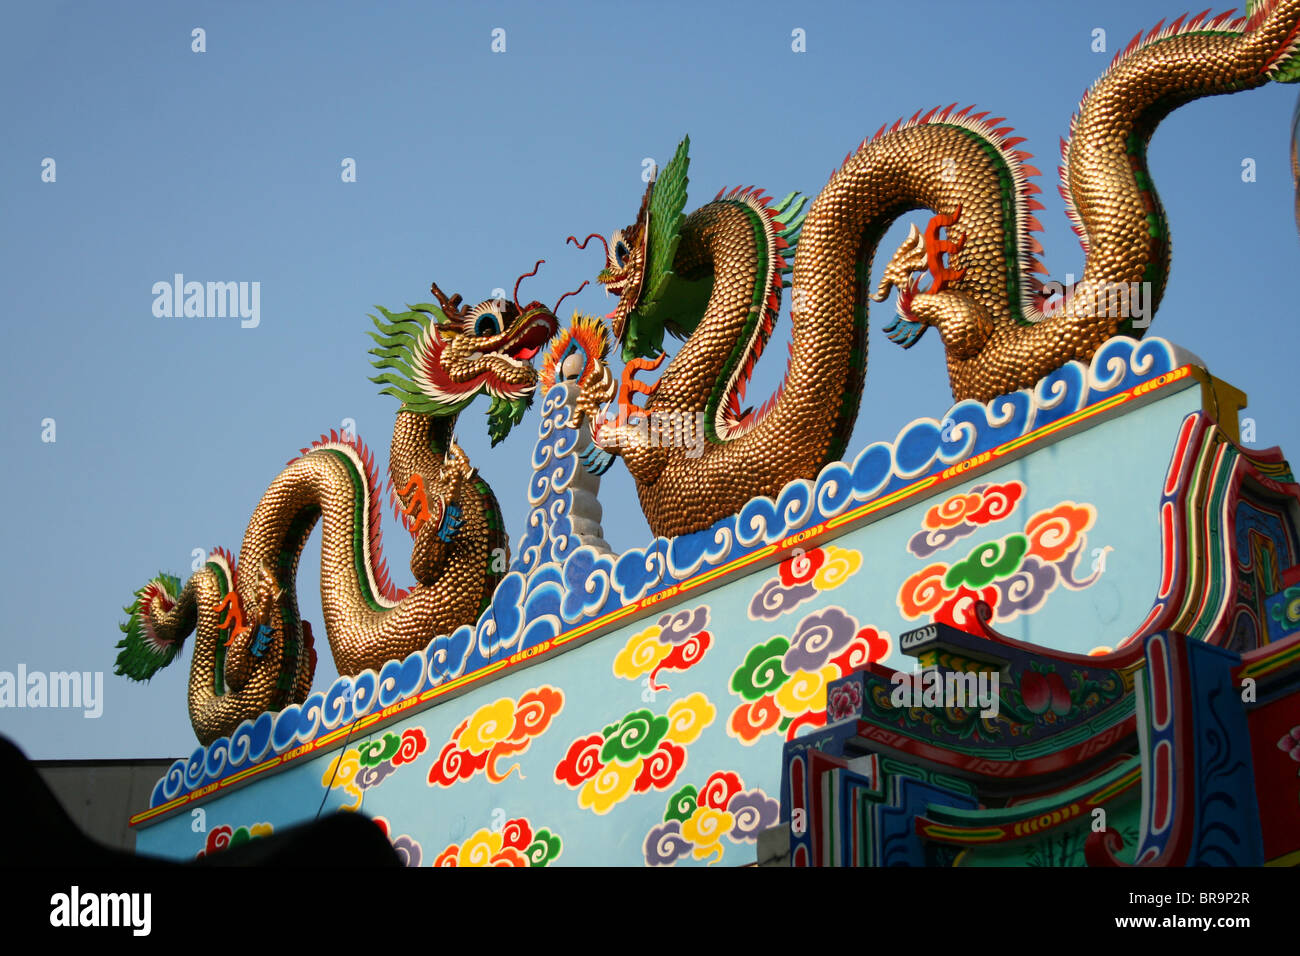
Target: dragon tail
{"x": 160, "y": 618}
{"x": 164, "y": 614}
{"x": 226, "y": 653}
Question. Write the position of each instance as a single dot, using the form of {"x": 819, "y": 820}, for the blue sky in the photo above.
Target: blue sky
{"x": 225, "y": 166}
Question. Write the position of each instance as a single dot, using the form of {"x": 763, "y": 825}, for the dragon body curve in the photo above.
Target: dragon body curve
{"x": 253, "y": 652}
{"x": 715, "y": 277}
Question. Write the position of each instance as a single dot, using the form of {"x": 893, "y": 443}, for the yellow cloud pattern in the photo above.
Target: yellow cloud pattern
{"x": 688, "y": 717}
{"x": 641, "y": 653}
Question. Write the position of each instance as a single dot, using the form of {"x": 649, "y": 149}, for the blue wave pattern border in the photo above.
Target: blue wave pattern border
{"x": 555, "y": 583}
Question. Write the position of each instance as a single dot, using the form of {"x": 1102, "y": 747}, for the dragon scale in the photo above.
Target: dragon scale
{"x": 716, "y": 279}
{"x": 253, "y": 652}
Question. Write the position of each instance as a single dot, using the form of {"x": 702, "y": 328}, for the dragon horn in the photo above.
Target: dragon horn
{"x": 555, "y": 311}
{"x": 452, "y": 306}
{"x": 515, "y": 295}
{"x": 583, "y": 244}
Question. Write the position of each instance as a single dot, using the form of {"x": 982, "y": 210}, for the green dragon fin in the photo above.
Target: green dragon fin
{"x": 141, "y": 657}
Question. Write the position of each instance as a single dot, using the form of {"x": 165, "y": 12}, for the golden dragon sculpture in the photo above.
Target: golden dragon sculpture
{"x": 253, "y": 652}
{"x": 715, "y": 277}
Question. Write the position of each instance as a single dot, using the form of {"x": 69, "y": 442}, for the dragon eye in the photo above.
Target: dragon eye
{"x": 619, "y": 251}
{"x": 487, "y": 323}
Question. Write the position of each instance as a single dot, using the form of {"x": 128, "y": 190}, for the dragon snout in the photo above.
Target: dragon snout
{"x": 537, "y": 326}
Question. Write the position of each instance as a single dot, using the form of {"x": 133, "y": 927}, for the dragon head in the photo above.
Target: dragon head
{"x": 626, "y": 257}
{"x": 440, "y": 357}
{"x": 639, "y": 262}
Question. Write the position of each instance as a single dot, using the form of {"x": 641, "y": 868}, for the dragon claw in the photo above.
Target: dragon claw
{"x": 261, "y": 641}
{"x": 904, "y": 331}
{"x": 595, "y": 459}
{"x": 451, "y": 521}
